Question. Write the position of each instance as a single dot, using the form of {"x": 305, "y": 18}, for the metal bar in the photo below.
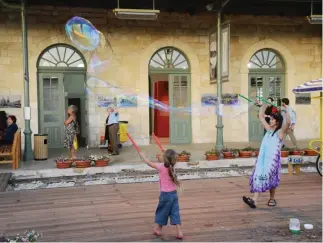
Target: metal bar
{"x": 28, "y": 153}
{"x": 12, "y": 6}
{"x": 219, "y": 125}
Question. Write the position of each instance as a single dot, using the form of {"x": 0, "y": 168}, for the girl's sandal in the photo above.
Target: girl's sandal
{"x": 272, "y": 203}
{"x": 179, "y": 237}
{"x": 249, "y": 202}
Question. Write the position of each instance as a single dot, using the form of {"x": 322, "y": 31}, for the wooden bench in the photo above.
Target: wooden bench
{"x": 12, "y": 153}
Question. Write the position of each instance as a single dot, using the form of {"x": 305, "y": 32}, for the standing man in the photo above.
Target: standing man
{"x": 113, "y": 127}
{"x": 292, "y": 114}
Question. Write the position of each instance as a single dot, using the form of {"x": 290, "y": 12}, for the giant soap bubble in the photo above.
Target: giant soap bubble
{"x": 82, "y": 33}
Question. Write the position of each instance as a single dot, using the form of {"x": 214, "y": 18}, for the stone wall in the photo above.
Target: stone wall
{"x": 134, "y": 42}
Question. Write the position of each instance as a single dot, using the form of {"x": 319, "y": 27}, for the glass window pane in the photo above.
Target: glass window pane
{"x": 54, "y": 53}
{"x": 265, "y": 59}
{"x": 52, "y": 118}
{"x": 79, "y": 63}
{"x": 44, "y": 63}
{"x": 74, "y": 58}
{"x": 49, "y": 57}
{"x": 54, "y": 83}
{"x": 62, "y": 64}
{"x": 46, "y": 82}
{"x": 183, "y": 65}
{"x": 179, "y": 60}
{"x": 68, "y": 54}
{"x": 155, "y": 65}
{"x": 61, "y": 52}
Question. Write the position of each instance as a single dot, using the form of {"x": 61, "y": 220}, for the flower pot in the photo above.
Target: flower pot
{"x": 102, "y": 163}
{"x": 228, "y": 155}
{"x": 245, "y": 154}
{"x": 159, "y": 158}
{"x": 183, "y": 158}
{"x": 212, "y": 157}
{"x": 310, "y": 152}
{"x": 296, "y": 152}
{"x": 284, "y": 154}
{"x": 82, "y": 163}
{"x": 64, "y": 164}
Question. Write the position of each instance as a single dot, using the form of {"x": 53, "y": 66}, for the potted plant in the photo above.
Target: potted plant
{"x": 63, "y": 163}
{"x": 82, "y": 162}
{"x": 311, "y": 152}
{"x": 284, "y": 152}
{"x": 100, "y": 160}
{"x": 246, "y": 152}
{"x": 184, "y": 156}
{"x": 229, "y": 153}
{"x": 296, "y": 151}
{"x": 211, "y": 155}
{"x": 256, "y": 152}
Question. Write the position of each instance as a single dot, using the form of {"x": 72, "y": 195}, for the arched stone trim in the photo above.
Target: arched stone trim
{"x": 190, "y": 54}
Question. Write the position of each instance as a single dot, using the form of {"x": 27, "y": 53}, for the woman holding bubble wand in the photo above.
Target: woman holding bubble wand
{"x": 267, "y": 169}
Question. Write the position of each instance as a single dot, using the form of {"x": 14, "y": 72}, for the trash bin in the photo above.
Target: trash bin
{"x": 40, "y": 147}
{"x": 123, "y": 132}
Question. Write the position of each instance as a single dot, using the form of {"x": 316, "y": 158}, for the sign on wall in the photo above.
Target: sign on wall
{"x": 303, "y": 99}
{"x": 225, "y": 51}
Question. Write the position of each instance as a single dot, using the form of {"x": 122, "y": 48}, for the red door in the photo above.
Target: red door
{"x": 161, "y": 118}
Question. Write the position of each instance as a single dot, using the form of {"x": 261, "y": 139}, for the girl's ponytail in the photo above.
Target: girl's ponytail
{"x": 170, "y": 157}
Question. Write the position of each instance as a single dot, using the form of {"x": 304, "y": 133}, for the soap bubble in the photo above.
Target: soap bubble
{"x": 96, "y": 65}
{"x": 82, "y": 33}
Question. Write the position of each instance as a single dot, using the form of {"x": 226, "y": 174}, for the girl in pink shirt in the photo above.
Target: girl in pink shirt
{"x": 168, "y": 206}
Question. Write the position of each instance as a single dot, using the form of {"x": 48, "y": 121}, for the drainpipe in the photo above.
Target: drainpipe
{"x": 28, "y": 153}
{"x": 219, "y": 125}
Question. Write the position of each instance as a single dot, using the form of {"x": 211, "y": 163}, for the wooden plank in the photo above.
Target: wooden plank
{"x": 210, "y": 210}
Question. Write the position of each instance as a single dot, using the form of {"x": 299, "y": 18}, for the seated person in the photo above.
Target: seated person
{"x": 9, "y": 132}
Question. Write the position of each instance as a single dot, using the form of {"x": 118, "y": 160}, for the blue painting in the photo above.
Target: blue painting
{"x": 126, "y": 100}
{"x": 209, "y": 100}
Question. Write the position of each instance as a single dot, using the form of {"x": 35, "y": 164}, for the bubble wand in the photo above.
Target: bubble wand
{"x": 266, "y": 101}
{"x": 158, "y": 143}
{"x": 242, "y": 96}
{"x": 133, "y": 143}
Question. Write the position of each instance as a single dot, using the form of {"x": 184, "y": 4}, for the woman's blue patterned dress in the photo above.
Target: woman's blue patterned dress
{"x": 267, "y": 170}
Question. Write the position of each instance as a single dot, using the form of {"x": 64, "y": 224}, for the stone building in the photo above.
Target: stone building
{"x": 168, "y": 59}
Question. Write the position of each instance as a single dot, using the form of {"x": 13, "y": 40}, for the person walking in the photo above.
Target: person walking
{"x": 267, "y": 169}
{"x": 287, "y": 109}
{"x": 113, "y": 128}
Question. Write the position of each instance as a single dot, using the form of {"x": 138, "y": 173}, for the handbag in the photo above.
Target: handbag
{"x": 75, "y": 143}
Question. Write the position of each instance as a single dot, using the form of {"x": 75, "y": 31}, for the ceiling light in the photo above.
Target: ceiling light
{"x": 315, "y": 19}
{"x": 140, "y": 14}
{"x": 209, "y": 7}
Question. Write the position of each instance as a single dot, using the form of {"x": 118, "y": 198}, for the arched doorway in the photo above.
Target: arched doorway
{"x": 170, "y": 83}
{"x": 61, "y": 82}
{"x": 266, "y": 79}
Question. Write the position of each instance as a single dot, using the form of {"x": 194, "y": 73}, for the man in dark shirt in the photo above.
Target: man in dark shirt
{"x": 9, "y": 132}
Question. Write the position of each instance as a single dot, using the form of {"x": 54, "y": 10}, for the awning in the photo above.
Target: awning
{"x": 310, "y": 86}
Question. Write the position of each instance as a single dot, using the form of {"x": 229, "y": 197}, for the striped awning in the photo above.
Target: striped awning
{"x": 310, "y": 86}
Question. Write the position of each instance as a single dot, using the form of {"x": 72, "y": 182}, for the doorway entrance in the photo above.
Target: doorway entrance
{"x": 170, "y": 89}
{"x": 266, "y": 79}
{"x": 61, "y": 82}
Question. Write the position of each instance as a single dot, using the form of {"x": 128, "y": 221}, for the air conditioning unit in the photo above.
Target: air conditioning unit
{"x": 315, "y": 19}
{"x": 136, "y": 14}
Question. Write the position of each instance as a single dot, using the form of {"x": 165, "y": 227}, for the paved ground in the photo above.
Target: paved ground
{"x": 212, "y": 210}
{"x": 128, "y": 155}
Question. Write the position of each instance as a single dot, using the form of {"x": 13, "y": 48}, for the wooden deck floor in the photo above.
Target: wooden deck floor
{"x": 212, "y": 210}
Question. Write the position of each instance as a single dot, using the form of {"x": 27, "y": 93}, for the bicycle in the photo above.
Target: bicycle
{"x": 319, "y": 157}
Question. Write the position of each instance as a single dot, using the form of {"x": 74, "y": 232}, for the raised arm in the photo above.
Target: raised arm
{"x": 285, "y": 127}
{"x": 262, "y": 116}
{"x": 69, "y": 120}
{"x": 149, "y": 163}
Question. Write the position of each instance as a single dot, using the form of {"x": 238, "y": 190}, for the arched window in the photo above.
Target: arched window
{"x": 266, "y": 58}
{"x": 168, "y": 58}
{"x": 61, "y": 56}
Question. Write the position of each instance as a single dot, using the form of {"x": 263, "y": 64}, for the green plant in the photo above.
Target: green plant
{"x": 29, "y": 236}
{"x": 184, "y": 152}
{"x": 248, "y": 149}
{"x": 210, "y": 152}
{"x": 286, "y": 149}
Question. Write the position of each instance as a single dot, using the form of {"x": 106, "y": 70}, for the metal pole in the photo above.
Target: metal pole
{"x": 219, "y": 125}
{"x": 28, "y": 153}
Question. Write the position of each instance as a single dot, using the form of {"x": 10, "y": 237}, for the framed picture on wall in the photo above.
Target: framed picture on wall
{"x": 303, "y": 99}
{"x": 225, "y": 51}
{"x": 213, "y": 57}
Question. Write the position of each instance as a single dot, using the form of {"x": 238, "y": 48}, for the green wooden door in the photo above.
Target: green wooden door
{"x": 263, "y": 85}
{"x": 51, "y": 108}
{"x": 180, "y": 117}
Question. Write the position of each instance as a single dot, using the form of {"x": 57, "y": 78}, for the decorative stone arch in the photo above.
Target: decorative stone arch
{"x": 192, "y": 58}
{"x": 61, "y": 56}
